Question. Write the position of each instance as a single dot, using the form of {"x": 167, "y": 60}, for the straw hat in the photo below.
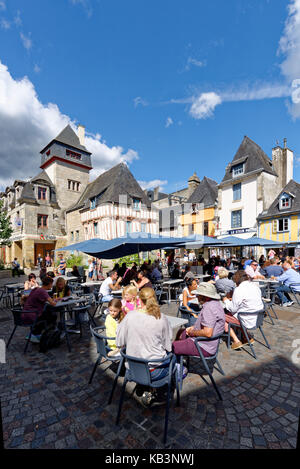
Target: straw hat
{"x": 208, "y": 290}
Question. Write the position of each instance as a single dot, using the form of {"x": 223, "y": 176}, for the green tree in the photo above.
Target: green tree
{"x": 5, "y": 226}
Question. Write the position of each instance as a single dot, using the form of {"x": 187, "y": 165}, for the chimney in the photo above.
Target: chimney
{"x": 155, "y": 193}
{"x": 81, "y": 134}
{"x": 284, "y": 143}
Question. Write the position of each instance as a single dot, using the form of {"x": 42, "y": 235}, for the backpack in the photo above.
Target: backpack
{"x": 50, "y": 338}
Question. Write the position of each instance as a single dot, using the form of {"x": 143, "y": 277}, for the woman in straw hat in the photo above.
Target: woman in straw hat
{"x": 210, "y": 322}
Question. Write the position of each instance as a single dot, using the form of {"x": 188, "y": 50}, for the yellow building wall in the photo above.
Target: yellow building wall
{"x": 265, "y": 230}
{"x": 206, "y": 215}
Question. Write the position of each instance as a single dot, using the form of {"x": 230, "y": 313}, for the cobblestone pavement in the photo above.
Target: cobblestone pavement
{"x": 47, "y": 402}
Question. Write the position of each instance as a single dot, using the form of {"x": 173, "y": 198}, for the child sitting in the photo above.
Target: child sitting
{"x": 113, "y": 318}
{"x": 130, "y": 301}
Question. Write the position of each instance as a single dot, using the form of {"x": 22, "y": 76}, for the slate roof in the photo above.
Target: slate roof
{"x": 205, "y": 193}
{"x": 293, "y": 189}
{"x": 68, "y": 137}
{"x": 115, "y": 182}
{"x": 42, "y": 176}
{"x": 28, "y": 194}
{"x": 253, "y": 156}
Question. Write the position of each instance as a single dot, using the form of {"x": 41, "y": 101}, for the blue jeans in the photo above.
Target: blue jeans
{"x": 161, "y": 371}
{"x": 107, "y": 298}
{"x": 280, "y": 292}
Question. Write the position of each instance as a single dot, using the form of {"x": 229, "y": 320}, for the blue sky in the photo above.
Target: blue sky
{"x": 169, "y": 86}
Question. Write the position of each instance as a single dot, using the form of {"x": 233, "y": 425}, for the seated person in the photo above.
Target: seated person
{"x": 111, "y": 283}
{"x": 246, "y": 298}
{"x": 223, "y": 284}
{"x": 35, "y": 304}
{"x": 289, "y": 277}
{"x": 31, "y": 282}
{"x": 147, "y": 336}
{"x": 188, "y": 273}
{"x": 61, "y": 288}
{"x": 175, "y": 272}
{"x": 113, "y": 318}
{"x": 274, "y": 269}
{"x": 143, "y": 281}
{"x": 189, "y": 299}
{"x": 75, "y": 271}
{"x": 252, "y": 270}
{"x": 210, "y": 322}
{"x": 156, "y": 273}
{"x": 130, "y": 274}
{"x": 130, "y": 300}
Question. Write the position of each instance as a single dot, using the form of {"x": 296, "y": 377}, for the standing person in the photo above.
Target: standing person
{"x": 91, "y": 269}
{"x": 40, "y": 261}
{"x": 271, "y": 254}
{"x": 99, "y": 270}
{"x": 111, "y": 283}
{"x": 94, "y": 262}
{"x": 15, "y": 267}
{"x": 62, "y": 265}
{"x": 48, "y": 260}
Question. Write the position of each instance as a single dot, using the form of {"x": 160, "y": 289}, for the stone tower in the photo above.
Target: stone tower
{"x": 193, "y": 182}
{"x": 67, "y": 163}
{"x": 283, "y": 163}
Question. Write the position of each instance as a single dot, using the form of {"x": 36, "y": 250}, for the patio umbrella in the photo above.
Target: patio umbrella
{"x": 124, "y": 246}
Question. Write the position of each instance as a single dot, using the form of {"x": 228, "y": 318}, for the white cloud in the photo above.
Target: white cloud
{"x": 289, "y": 46}
{"x": 5, "y": 24}
{"x": 138, "y": 101}
{"x": 204, "y": 105}
{"x": 169, "y": 122}
{"x": 152, "y": 184}
{"x": 27, "y": 125}
{"x": 85, "y": 4}
{"x": 195, "y": 62}
{"x": 2, "y": 5}
{"x": 27, "y": 42}
{"x": 36, "y": 68}
{"x": 17, "y": 19}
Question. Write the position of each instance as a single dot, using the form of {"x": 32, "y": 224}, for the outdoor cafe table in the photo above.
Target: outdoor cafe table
{"x": 170, "y": 283}
{"x": 66, "y": 277}
{"x": 201, "y": 276}
{"x": 176, "y": 323}
{"x": 61, "y": 307}
{"x": 267, "y": 282}
{"x": 89, "y": 286}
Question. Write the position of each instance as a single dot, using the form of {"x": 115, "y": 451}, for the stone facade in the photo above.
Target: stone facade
{"x": 36, "y": 207}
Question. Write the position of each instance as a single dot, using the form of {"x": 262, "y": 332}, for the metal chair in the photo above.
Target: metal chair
{"x": 204, "y": 360}
{"x": 184, "y": 313}
{"x": 102, "y": 350}
{"x": 138, "y": 372}
{"x": 268, "y": 298}
{"x": 19, "y": 322}
{"x": 5, "y": 297}
{"x": 259, "y": 323}
{"x": 295, "y": 292}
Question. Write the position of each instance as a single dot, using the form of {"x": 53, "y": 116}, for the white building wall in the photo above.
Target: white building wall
{"x": 248, "y": 204}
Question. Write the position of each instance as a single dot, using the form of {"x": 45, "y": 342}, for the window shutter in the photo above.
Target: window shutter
{"x": 274, "y": 226}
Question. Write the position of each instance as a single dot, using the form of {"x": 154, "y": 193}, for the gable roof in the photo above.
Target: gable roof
{"x": 254, "y": 158}
{"x": 205, "y": 193}
{"x": 68, "y": 137}
{"x": 42, "y": 176}
{"x": 109, "y": 186}
{"x": 293, "y": 189}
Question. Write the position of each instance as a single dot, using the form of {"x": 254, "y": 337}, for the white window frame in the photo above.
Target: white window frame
{"x": 284, "y": 207}
{"x": 286, "y": 225}
{"x": 240, "y": 171}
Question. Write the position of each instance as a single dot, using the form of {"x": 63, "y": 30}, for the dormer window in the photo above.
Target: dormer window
{"x": 237, "y": 170}
{"x": 42, "y": 191}
{"x": 93, "y": 202}
{"x": 284, "y": 203}
{"x": 136, "y": 204}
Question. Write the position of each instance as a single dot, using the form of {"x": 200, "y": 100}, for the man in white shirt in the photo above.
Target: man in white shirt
{"x": 252, "y": 270}
{"x": 111, "y": 283}
{"x": 246, "y": 298}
